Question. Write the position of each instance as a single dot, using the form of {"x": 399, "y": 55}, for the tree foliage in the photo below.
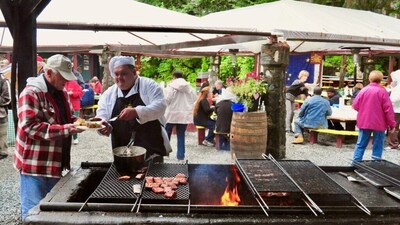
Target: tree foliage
{"x": 203, "y": 7}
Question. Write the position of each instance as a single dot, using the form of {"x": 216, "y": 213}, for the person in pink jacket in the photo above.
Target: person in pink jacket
{"x": 75, "y": 93}
{"x": 375, "y": 115}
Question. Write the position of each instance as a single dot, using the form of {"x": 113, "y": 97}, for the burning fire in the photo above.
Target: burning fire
{"x": 231, "y": 195}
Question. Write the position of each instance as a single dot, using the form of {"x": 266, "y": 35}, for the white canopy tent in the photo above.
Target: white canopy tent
{"x": 130, "y": 26}
{"x": 122, "y": 24}
{"x": 310, "y": 27}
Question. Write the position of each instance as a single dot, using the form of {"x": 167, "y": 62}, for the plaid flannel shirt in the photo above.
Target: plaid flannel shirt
{"x": 39, "y": 133}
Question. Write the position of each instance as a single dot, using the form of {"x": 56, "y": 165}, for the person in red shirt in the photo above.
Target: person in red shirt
{"x": 75, "y": 93}
{"x": 45, "y": 126}
{"x": 95, "y": 84}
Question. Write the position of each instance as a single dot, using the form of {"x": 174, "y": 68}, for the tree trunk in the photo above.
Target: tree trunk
{"x": 275, "y": 58}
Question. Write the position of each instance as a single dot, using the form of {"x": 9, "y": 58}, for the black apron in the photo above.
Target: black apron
{"x": 148, "y": 135}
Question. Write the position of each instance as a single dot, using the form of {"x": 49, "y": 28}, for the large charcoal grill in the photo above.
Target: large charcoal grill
{"x": 207, "y": 183}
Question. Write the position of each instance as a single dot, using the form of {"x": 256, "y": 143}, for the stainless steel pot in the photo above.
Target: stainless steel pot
{"x": 129, "y": 161}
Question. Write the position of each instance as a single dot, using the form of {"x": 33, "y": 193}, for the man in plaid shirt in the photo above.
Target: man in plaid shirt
{"x": 45, "y": 126}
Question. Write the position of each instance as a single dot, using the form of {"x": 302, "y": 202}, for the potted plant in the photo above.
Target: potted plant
{"x": 247, "y": 91}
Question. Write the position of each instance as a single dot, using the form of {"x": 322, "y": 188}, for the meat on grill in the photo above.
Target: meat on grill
{"x": 158, "y": 190}
{"x": 124, "y": 178}
{"x": 274, "y": 194}
{"x": 182, "y": 181}
{"x": 149, "y": 179}
{"x": 166, "y": 185}
{"x": 170, "y": 194}
{"x": 180, "y": 175}
{"x": 148, "y": 185}
{"x": 158, "y": 180}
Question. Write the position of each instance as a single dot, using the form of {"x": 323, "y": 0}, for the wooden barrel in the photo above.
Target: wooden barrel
{"x": 248, "y": 134}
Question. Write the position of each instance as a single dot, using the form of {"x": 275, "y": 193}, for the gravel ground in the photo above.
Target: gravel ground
{"x": 95, "y": 148}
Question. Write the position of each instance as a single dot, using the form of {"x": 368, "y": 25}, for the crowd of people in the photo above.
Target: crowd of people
{"x": 374, "y": 98}
{"x": 148, "y": 113}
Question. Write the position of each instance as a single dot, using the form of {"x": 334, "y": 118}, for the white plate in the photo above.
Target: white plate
{"x": 87, "y": 128}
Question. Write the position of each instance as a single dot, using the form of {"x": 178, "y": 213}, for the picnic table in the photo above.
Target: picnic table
{"x": 345, "y": 114}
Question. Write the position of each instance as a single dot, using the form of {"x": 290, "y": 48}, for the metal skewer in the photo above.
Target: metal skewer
{"x": 137, "y": 199}
{"x": 80, "y": 209}
{"x": 377, "y": 173}
{"x": 313, "y": 204}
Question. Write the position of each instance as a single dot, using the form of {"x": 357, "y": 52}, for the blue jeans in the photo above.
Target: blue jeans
{"x": 224, "y": 142}
{"x": 210, "y": 134}
{"x": 298, "y": 129}
{"x": 180, "y": 133}
{"x": 362, "y": 142}
{"x": 33, "y": 189}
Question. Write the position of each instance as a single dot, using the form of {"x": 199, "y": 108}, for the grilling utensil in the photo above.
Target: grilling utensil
{"x": 351, "y": 178}
{"x": 113, "y": 119}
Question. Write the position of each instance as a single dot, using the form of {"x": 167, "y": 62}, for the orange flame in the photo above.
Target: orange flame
{"x": 231, "y": 196}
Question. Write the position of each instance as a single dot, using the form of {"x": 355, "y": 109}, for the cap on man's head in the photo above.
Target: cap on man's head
{"x": 120, "y": 61}
{"x": 61, "y": 64}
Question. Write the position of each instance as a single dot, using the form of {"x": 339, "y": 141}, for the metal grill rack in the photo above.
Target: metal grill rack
{"x": 113, "y": 190}
{"x": 167, "y": 170}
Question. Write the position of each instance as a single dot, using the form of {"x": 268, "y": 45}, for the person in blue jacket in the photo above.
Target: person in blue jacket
{"x": 88, "y": 96}
{"x": 312, "y": 114}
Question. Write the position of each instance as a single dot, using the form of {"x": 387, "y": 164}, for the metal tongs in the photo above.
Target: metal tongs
{"x": 351, "y": 178}
{"x": 113, "y": 119}
{"x": 128, "y": 151}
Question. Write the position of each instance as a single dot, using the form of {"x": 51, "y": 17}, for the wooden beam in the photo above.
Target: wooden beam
{"x": 227, "y": 39}
{"x": 7, "y": 10}
{"x": 142, "y": 28}
{"x": 36, "y": 7}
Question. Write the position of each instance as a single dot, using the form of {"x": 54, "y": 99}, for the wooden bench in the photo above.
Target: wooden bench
{"x": 339, "y": 135}
{"x": 201, "y": 134}
{"x": 218, "y": 138}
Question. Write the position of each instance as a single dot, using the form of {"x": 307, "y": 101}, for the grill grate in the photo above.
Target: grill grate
{"x": 266, "y": 176}
{"x": 315, "y": 183}
{"x": 311, "y": 178}
{"x": 113, "y": 190}
{"x": 167, "y": 170}
{"x": 390, "y": 169}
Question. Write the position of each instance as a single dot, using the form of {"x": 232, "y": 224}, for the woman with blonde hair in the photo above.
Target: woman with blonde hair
{"x": 297, "y": 88}
{"x": 202, "y": 115}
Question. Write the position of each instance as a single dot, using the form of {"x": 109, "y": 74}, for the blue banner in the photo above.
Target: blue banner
{"x": 298, "y": 63}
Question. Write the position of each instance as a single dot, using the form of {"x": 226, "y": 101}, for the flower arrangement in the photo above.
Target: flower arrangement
{"x": 248, "y": 90}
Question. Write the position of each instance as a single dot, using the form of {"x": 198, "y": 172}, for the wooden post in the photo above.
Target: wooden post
{"x": 105, "y": 59}
{"x": 342, "y": 67}
{"x": 390, "y": 69}
{"x": 275, "y": 58}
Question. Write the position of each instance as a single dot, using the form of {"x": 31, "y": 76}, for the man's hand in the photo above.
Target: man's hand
{"x": 106, "y": 130}
{"x": 128, "y": 114}
{"x": 74, "y": 130}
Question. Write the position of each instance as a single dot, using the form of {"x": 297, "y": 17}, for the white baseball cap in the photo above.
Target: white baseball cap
{"x": 61, "y": 64}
